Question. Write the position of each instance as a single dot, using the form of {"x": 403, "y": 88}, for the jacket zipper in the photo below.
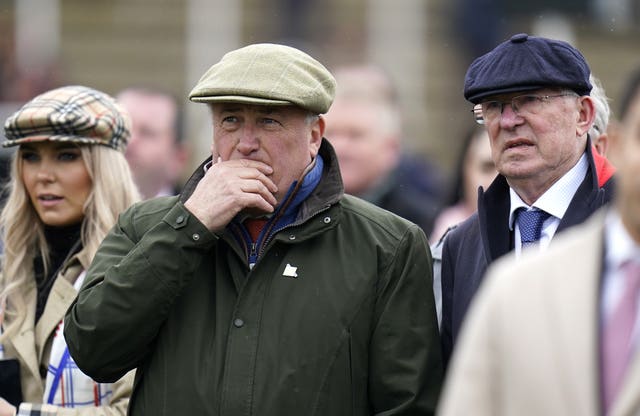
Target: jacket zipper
{"x": 253, "y": 255}
{"x": 293, "y": 224}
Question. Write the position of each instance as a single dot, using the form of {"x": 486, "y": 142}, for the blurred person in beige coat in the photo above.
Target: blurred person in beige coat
{"x": 537, "y": 337}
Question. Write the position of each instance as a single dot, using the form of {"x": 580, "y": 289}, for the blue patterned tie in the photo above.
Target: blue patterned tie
{"x": 530, "y": 224}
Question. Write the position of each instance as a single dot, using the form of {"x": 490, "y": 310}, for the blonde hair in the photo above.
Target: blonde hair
{"x": 113, "y": 190}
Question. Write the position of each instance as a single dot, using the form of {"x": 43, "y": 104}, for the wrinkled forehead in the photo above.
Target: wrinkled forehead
{"x": 239, "y": 107}
{"x": 282, "y": 113}
{"x": 232, "y": 107}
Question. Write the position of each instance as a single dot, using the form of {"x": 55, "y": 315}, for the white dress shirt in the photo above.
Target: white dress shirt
{"x": 555, "y": 201}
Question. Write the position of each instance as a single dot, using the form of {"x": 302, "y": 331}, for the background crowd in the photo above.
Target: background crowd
{"x": 116, "y": 44}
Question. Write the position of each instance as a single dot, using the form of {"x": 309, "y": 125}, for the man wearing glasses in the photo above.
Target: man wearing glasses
{"x": 532, "y": 95}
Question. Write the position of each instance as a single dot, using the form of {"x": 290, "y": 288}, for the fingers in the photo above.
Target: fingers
{"x": 230, "y": 187}
{"x": 246, "y": 177}
{"x": 261, "y": 186}
{"x": 246, "y": 163}
{"x": 257, "y": 201}
{"x": 245, "y": 168}
{"x": 247, "y": 186}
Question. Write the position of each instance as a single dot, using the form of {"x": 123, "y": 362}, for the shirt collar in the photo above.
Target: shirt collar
{"x": 557, "y": 198}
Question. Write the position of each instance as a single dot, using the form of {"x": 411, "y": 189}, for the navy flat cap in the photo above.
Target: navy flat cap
{"x": 525, "y": 63}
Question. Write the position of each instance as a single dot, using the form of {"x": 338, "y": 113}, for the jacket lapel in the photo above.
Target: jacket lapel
{"x": 580, "y": 326}
{"x": 575, "y": 309}
{"x": 23, "y": 340}
{"x": 61, "y": 296}
{"x": 493, "y": 215}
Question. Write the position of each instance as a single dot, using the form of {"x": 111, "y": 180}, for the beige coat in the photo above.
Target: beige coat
{"x": 530, "y": 342}
{"x": 31, "y": 345}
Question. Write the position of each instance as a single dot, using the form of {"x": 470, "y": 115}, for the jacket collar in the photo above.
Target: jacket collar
{"x": 30, "y": 341}
{"x": 330, "y": 189}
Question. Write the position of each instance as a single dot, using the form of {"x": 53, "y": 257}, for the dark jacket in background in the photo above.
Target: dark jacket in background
{"x": 413, "y": 190}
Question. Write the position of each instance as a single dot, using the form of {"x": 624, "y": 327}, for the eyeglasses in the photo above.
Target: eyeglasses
{"x": 522, "y": 105}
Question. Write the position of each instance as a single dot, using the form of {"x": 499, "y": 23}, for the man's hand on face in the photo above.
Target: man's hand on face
{"x": 230, "y": 187}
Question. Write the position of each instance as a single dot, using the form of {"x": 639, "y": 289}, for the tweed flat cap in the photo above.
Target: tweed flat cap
{"x": 525, "y": 63}
{"x": 74, "y": 114}
{"x": 267, "y": 74}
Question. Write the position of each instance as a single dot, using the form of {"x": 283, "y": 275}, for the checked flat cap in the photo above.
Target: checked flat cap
{"x": 73, "y": 114}
{"x": 267, "y": 74}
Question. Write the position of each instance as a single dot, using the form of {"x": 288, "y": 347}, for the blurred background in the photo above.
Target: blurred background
{"x": 426, "y": 45}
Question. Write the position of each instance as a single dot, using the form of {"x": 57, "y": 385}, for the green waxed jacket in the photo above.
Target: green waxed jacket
{"x": 336, "y": 318}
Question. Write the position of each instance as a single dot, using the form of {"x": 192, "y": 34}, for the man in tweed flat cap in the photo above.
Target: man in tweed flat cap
{"x": 532, "y": 95}
{"x": 263, "y": 289}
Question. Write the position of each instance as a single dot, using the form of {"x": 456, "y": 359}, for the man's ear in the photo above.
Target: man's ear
{"x": 586, "y": 115}
{"x": 601, "y": 143}
{"x": 317, "y": 132}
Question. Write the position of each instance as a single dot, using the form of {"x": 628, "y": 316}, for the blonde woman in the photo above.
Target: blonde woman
{"x": 69, "y": 181}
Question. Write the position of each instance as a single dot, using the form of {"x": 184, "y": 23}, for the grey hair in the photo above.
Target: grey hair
{"x": 311, "y": 117}
{"x": 603, "y": 110}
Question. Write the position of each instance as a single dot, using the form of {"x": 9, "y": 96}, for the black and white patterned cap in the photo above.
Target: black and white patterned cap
{"x": 74, "y": 114}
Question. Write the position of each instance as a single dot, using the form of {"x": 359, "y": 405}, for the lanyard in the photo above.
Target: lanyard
{"x": 58, "y": 376}
{"x": 65, "y": 355}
